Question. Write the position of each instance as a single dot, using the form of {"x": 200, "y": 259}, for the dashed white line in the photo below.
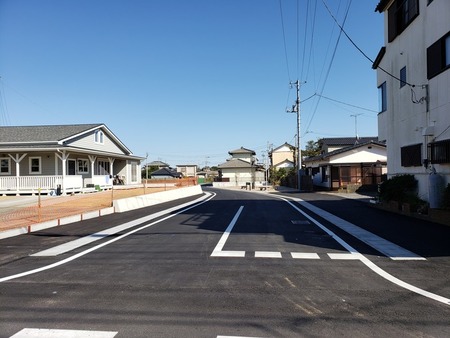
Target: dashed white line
{"x": 344, "y": 256}
{"x": 304, "y": 255}
{"x": 267, "y": 254}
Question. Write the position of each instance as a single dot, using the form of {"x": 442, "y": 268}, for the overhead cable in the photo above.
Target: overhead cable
{"x": 361, "y": 51}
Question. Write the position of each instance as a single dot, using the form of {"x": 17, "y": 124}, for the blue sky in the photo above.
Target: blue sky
{"x": 187, "y": 81}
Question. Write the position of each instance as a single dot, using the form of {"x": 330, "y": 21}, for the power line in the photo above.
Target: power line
{"x": 360, "y": 50}
{"x": 347, "y": 104}
{"x": 329, "y": 67}
{"x": 284, "y": 41}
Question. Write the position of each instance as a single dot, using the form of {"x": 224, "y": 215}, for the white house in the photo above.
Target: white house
{"x": 65, "y": 158}
{"x": 187, "y": 170}
{"x": 362, "y": 164}
{"x": 240, "y": 169}
{"x": 413, "y": 77}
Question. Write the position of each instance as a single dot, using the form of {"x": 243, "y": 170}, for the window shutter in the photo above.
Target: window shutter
{"x": 392, "y": 25}
{"x": 434, "y": 59}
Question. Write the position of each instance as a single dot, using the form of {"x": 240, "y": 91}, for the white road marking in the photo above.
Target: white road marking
{"x": 69, "y": 246}
{"x": 218, "y": 249}
{"x": 386, "y": 247}
{"x": 228, "y": 253}
{"x": 368, "y": 262}
{"x": 267, "y": 254}
{"x": 83, "y": 253}
{"x": 304, "y": 255}
{"x": 235, "y": 337}
{"x": 344, "y": 256}
{"x": 53, "y": 333}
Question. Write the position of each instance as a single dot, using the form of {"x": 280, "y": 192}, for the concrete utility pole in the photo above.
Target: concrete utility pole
{"x": 356, "y": 124}
{"x": 296, "y": 109}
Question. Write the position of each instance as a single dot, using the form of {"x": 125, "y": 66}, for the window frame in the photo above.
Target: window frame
{"x": 438, "y": 56}
{"x": 82, "y": 163}
{"x": 382, "y": 97}
{"x": 9, "y": 166}
{"x": 403, "y": 77}
{"x": 99, "y": 137}
{"x": 400, "y": 16}
{"x": 411, "y": 155}
{"x": 439, "y": 152}
{"x": 30, "y": 165}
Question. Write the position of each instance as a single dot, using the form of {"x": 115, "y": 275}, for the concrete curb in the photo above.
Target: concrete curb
{"x": 122, "y": 205}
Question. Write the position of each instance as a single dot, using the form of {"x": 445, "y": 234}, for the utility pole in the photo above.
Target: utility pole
{"x": 296, "y": 109}
{"x": 356, "y": 124}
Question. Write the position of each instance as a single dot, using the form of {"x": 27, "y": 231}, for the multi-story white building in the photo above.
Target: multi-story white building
{"x": 413, "y": 77}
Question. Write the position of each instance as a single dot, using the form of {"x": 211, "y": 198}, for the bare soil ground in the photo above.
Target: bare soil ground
{"x": 49, "y": 208}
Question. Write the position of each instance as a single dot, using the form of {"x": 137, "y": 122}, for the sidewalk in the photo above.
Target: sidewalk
{"x": 23, "y": 211}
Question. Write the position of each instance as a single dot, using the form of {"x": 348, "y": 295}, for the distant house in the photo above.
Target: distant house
{"x": 240, "y": 169}
{"x": 330, "y": 144}
{"x": 165, "y": 173}
{"x": 187, "y": 170}
{"x": 158, "y": 164}
{"x": 63, "y": 158}
{"x": 361, "y": 164}
{"x": 282, "y": 156}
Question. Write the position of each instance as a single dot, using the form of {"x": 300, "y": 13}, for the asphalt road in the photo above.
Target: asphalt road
{"x": 237, "y": 264}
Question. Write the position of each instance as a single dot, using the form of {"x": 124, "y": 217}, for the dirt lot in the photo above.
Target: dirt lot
{"x": 48, "y": 208}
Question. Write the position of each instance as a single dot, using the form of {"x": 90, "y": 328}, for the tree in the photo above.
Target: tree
{"x": 312, "y": 148}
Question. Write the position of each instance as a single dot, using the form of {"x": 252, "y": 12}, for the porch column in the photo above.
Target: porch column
{"x": 63, "y": 157}
{"x": 92, "y": 158}
{"x": 17, "y": 159}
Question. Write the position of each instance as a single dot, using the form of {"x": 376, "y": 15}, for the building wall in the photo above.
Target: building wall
{"x": 404, "y": 121}
{"x": 282, "y": 154}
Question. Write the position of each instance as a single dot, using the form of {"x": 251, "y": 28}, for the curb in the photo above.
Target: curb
{"x": 128, "y": 204}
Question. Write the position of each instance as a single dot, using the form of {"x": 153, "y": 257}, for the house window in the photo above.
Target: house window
{"x": 102, "y": 168}
{"x": 439, "y": 152}
{"x": 400, "y": 15}
{"x": 134, "y": 171}
{"x": 35, "y": 165}
{"x": 99, "y": 136}
{"x": 438, "y": 56}
{"x": 5, "y": 166}
{"x": 82, "y": 166}
{"x": 382, "y": 97}
{"x": 411, "y": 156}
{"x": 402, "y": 77}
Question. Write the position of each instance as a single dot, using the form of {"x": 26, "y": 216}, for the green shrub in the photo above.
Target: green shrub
{"x": 399, "y": 188}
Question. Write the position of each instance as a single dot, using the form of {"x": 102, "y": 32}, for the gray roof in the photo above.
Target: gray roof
{"x": 346, "y": 141}
{"x": 235, "y": 163}
{"x": 343, "y": 150}
{"x": 51, "y": 137}
{"x": 47, "y": 134}
{"x": 166, "y": 172}
{"x": 158, "y": 164}
{"x": 242, "y": 150}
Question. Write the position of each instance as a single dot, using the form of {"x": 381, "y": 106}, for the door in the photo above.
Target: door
{"x": 71, "y": 167}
